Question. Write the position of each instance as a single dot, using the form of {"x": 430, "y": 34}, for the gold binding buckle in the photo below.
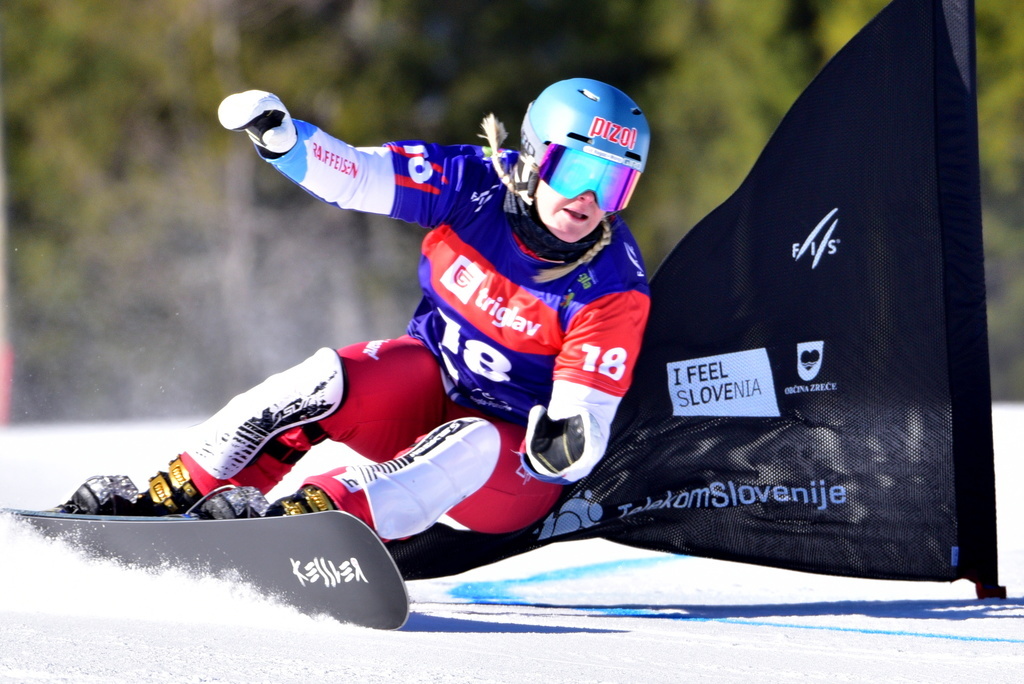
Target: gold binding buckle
{"x": 181, "y": 479}
{"x": 163, "y": 486}
{"x": 293, "y": 507}
{"x": 161, "y": 493}
{"x": 317, "y": 499}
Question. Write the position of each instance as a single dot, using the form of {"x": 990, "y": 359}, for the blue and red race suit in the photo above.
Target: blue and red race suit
{"x": 506, "y": 342}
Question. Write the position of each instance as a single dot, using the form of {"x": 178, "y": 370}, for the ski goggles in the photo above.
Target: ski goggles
{"x": 571, "y": 173}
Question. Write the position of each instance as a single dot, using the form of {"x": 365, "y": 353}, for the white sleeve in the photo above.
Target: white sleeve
{"x": 360, "y": 178}
{"x": 597, "y": 409}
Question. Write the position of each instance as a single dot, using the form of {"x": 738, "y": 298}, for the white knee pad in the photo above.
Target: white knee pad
{"x": 229, "y": 440}
{"x": 410, "y": 493}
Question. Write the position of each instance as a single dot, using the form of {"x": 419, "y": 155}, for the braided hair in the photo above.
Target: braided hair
{"x": 522, "y": 181}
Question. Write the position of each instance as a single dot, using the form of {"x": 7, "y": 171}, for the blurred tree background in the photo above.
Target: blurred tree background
{"x": 157, "y": 267}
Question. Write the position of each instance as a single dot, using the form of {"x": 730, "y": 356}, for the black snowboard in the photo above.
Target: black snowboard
{"x": 320, "y": 563}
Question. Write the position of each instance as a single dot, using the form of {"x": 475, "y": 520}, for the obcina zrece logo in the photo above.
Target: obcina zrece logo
{"x": 808, "y": 359}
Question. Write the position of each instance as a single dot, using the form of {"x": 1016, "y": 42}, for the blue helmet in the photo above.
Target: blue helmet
{"x": 595, "y": 127}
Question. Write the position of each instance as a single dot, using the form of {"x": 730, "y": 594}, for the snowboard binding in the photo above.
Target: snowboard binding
{"x": 170, "y": 493}
{"x": 105, "y": 495}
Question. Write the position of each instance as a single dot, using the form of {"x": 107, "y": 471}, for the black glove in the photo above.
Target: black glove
{"x": 553, "y": 445}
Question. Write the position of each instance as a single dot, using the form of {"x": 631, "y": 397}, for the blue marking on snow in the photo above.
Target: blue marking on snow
{"x": 503, "y": 592}
{"x": 656, "y": 613}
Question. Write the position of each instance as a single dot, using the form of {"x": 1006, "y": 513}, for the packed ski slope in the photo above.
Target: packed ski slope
{"x": 574, "y": 612}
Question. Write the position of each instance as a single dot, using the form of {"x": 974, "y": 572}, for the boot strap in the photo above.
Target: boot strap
{"x": 173, "y": 489}
{"x": 309, "y": 499}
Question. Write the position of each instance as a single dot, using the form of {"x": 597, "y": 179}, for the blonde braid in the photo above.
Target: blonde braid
{"x": 548, "y": 274}
{"x": 494, "y": 133}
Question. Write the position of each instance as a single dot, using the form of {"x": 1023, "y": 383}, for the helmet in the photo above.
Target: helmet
{"x": 587, "y": 135}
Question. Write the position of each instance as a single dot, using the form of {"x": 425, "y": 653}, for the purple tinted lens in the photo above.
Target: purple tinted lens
{"x": 571, "y": 173}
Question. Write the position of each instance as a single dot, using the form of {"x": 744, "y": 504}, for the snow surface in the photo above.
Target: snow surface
{"x": 572, "y": 612}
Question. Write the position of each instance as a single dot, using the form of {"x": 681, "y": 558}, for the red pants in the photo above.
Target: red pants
{"x": 393, "y": 397}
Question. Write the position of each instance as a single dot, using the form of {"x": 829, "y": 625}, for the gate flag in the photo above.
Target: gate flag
{"x": 813, "y": 388}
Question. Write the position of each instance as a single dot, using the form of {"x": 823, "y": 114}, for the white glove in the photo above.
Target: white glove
{"x": 262, "y": 116}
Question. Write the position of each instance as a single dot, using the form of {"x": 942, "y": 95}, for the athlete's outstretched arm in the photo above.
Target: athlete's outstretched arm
{"x": 332, "y": 170}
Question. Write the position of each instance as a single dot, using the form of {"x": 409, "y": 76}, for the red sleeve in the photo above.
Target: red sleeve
{"x": 603, "y": 341}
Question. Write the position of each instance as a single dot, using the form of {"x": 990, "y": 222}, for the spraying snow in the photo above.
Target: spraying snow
{"x": 571, "y": 612}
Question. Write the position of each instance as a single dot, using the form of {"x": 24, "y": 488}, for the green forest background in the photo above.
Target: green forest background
{"x": 157, "y": 267}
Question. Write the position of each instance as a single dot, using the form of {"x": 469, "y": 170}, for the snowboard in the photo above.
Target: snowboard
{"x": 321, "y": 563}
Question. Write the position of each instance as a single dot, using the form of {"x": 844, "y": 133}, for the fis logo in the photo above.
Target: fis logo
{"x": 816, "y": 247}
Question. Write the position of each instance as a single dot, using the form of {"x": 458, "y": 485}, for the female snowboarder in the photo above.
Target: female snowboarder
{"x": 505, "y": 384}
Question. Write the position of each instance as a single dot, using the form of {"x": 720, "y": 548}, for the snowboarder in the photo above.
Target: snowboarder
{"x": 504, "y": 386}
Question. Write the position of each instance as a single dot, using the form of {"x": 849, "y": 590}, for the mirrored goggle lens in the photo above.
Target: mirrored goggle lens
{"x": 571, "y": 173}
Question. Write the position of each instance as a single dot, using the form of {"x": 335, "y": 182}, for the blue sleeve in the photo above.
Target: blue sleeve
{"x": 432, "y": 181}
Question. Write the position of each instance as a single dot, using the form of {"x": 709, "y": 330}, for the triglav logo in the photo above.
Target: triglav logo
{"x": 463, "y": 278}
{"x": 815, "y": 247}
{"x": 808, "y": 359}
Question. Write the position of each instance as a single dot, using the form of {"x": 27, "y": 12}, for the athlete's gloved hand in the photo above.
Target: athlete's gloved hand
{"x": 559, "y": 450}
{"x": 263, "y": 117}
